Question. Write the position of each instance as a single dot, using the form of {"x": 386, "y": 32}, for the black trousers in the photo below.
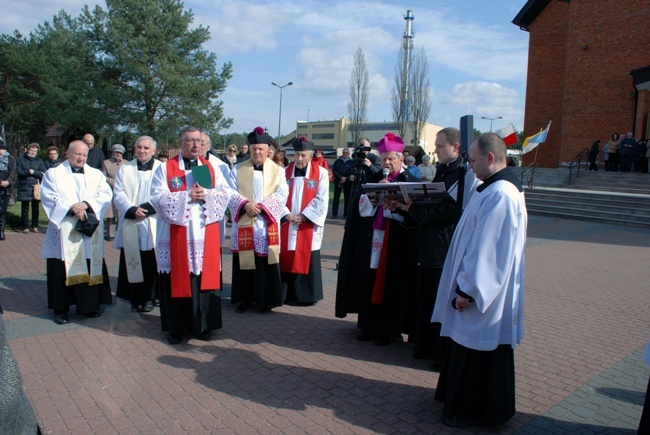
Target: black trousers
{"x": 4, "y": 202}
{"x": 338, "y": 188}
{"x": 24, "y": 213}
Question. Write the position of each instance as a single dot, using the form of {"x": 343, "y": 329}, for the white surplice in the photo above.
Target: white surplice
{"x": 486, "y": 260}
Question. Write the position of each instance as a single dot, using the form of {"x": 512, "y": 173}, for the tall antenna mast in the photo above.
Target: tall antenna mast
{"x": 408, "y": 45}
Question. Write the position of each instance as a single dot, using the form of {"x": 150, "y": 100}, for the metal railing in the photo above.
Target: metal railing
{"x": 576, "y": 162}
{"x": 527, "y": 174}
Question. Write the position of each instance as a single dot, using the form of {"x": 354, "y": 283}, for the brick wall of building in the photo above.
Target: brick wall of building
{"x": 580, "y": 57}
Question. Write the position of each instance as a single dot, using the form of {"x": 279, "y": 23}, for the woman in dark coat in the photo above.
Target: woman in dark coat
{"x": 7, "y": 181}
{"x": 593, "y": 156}
{"x": 30, "y": 171}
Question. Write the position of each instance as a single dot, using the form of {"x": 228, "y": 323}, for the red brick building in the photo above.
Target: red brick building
{"x": 588, "y": 72}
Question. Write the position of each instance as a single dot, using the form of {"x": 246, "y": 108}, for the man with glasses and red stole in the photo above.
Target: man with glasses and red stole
{"x": 189, "y": 202}
{"x": 255, "y": 237}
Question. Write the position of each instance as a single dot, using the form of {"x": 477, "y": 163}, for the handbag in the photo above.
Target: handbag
{"x": 37, "y": 192}
{"x": 11, "y": 197}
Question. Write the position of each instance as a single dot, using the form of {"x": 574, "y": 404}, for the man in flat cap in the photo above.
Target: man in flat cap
{"x": 302, "y": 226}
{"x": 255, "y": 238}
{"x": 110, "y": 168}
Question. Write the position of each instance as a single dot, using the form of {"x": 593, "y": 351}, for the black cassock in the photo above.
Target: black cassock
{"x": 356, "y": 280}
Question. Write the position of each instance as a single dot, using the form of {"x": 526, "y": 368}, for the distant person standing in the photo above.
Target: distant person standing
{"x": 592, "y": 158}
{"x": 342, "y": 168}
{"x": 410, "y": 166}
{"x": 427, "y": 170}
{"x": 109, "y": 169}
{"x": 96, "y": 156}
{"x": 614, "y": 152}
{"x": 7, "y": 181}
{"x": 628, "y": 149}
{"x": 606, "y": 156}
{"x": 53, "y": 159}
{"x": 481, "y": 294}
{"x": 30, "y": 170}
{"x": 243, "y": 153}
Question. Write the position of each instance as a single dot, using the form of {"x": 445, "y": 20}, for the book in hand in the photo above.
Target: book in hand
{"x": 417, "y": 191}
{"x": 202, "y": 176}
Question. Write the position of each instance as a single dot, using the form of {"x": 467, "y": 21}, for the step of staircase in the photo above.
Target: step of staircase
{"x": 619, "y": 208}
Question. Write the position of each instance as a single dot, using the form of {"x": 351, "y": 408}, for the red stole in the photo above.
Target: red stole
{"x": 298, "y": 261}
{"x": 380, "y": 278}
{"x": 180, "y": 264}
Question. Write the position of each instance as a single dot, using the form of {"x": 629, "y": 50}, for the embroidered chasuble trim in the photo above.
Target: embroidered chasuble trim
{"x": 245, "y": 223}
{"x": 74, "y": 256}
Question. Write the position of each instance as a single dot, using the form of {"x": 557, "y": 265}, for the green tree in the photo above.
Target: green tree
{"x": 158, "y": 75}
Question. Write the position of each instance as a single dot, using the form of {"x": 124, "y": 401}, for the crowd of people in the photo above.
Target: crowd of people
{"x": 448, "y": 274}
{"x": 626, "y": 154}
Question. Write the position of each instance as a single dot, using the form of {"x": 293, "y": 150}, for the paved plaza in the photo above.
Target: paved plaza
{"x": 300, "y": 370}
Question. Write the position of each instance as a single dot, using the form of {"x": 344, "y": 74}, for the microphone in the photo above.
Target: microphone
{"x": 385, "y": 172}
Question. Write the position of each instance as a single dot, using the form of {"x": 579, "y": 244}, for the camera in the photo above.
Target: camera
{"x": 361, "y": 152}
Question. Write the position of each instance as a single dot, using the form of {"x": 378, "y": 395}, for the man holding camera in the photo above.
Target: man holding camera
{"x": 365, "y": 164}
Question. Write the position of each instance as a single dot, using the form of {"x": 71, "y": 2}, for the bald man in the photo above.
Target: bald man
{"x": 75, "y": 198}
{"x": 96, "y": 156}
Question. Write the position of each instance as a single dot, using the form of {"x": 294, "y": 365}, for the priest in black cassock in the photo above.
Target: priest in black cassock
{"x": 480, "y": 298}
{"x": 377, "y": 261}
{"x": 302, "y": 226}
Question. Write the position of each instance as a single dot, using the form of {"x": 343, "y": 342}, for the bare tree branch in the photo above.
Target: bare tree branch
{"x": 358, "y": 96}
{"x": 419, "y": 94}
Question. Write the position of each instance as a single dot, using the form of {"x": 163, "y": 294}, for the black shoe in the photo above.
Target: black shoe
{"x": 365, "y": 337}
{"x": 174, "y": 338}
{"x": 422, "y": 354}
{"x": 265, "y": 309}
{"x": 109, "y": 239}
{"x": 135, "y": 309}
{"x": 243, "y": 306}
{"x": 156, "y": 302}
{"x": 383, "y": 340}
{"x": 147, "y": 307}
{"x": 458, "y": 421}
{"x": 61, "y": 319}
{"x": 93, "y": 314}
{"x": 205, "y": 335}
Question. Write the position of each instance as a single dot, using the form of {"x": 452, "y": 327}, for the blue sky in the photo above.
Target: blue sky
{"x": 477, "y": 57}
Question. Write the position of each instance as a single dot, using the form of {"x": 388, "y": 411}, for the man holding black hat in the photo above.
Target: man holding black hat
{"x": 255, "y": 238}
{"x": 302, "y": 226}
{"x": 75, "y": 198}
{"x": 110, "y": 168}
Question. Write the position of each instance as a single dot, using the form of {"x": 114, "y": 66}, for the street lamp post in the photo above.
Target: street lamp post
{"x": 491, "y": 119}
{"x": 280, "y": 115}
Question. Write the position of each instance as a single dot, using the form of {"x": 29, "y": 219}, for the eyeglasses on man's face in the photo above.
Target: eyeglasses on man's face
{"x": 192, "y": 140}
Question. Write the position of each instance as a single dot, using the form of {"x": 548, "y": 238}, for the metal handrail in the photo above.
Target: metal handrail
{"x": 528, "y": 173}
{"x": 577, "y": 162}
